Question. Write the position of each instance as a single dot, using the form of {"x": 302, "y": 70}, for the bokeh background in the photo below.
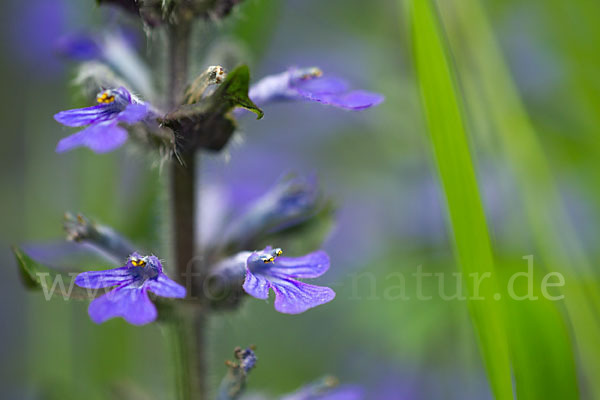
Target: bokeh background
{"x": 376, "y": 164}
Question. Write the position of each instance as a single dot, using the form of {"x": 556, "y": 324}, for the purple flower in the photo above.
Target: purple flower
{"x": 310, "y": 84}
{"x": 267, "y": 270}
{"x": 103, "y": 133}
{"x": 130, "y": 297}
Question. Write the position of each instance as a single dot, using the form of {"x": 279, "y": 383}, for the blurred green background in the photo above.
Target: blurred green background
{"x": 528, "y": 90}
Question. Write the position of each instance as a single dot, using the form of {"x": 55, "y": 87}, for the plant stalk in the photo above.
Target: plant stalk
{"x": 188, "y": 325}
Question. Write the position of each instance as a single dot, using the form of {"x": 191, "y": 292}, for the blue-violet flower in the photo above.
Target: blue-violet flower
{"x": 265, "y": 270}
{"x": 103, "y": 133}
{"x": 130, "y": 297}
{"x": 310, "y": 84}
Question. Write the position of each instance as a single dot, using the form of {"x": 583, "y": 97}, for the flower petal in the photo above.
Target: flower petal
{"x": 88, "y": 115}
{"x": 122, "y": 96}
{"x": 271, "y": 88}
{"x": 356, "y": 100}
{"x": 165, "y": 287}
{"x": 102, "y": 279}
{"x": 129, "y": 302}
{"x": 133, "y": 113}
{"x": 101, "y": 138}
{"x": 325, "y": 85}
{"x": 294, "y": 297}
{"x": 291, "y": 296}
{"x": 256, "y": 285}
{"x": 311, "y": 265}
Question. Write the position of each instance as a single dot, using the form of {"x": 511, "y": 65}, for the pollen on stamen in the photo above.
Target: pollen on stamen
{"x": 219, "y": 73}
{"x": 105, "y": 97}
{"x": 312, "y": 73}
{"x": 138, "y": 262}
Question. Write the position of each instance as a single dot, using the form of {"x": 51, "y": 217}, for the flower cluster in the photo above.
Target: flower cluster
{"x": 119, "y": 106}
{"x": 263, "y": 270}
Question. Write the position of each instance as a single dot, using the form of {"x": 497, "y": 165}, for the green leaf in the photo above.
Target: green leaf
{"x": 54, "y": 284}
{"x": 442, "y": 106}
{"x": 234, "y": 91}
{"x": 206, "y": 124}
{"x": 28, "y": 269}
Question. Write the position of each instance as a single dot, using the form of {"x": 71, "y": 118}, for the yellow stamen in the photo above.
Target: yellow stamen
{"x": 138, "y": 262}
{"x": 105, "y": 98}
{"x": 312, "y": 73}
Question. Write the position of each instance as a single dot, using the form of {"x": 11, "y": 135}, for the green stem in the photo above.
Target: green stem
{"x": 187, "y": 328}
{"x": 183, "y": 207}
{"x": 178, "y": 53}
{"x": 186, "y": 342}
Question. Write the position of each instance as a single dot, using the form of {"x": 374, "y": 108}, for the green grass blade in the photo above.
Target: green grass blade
{"x": 441, "y": 102}
{"x": 495, "y": 95}
{"x": 540, "y": 347}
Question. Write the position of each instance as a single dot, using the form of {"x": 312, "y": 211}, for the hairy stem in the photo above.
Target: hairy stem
{"x": 183, "y": 204}
{"x": 186, "y": 342}
{"x": 183, "y": 169}
{"x": 188, "y": 328}
{"x": 178, "y": 51}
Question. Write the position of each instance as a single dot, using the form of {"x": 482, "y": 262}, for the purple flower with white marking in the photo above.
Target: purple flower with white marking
{"x": 103, "y": 133}
{"x": 310, "y": 84}
{"x": 129, "y": 300}
{"x": 266, "y": 270}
